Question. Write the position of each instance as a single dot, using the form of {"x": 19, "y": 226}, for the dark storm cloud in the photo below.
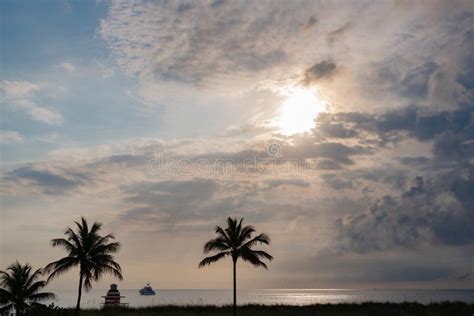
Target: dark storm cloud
{"x": 391, "y": 176}
{"x": 336, "y": 182}
{"x": 329, "y": 151}
{"x": 438, "y": 210}
{"x": 415, "y": 83}
{"x": 121, "y": 160}
{"x": 329, "y": 155}
{"x": 414, "y": 161}
{"x": 48, "y": 181}
{"x": 327, "y": 164}
{"x": 454, "y": 147}
{"x": 451, "y": 130}
{"x": 333, "y": 129}
{"x": 321, "y": 70}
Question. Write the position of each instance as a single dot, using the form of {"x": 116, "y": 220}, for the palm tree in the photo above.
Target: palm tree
{"x": 237, "y": 242}
{"x": 20, "y": 288}
{"x": 90, "y": 252}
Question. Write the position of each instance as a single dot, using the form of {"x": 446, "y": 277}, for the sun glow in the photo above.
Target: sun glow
{"x": 298, "y": 110}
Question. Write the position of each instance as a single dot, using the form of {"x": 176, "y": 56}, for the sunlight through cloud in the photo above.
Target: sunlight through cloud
{"x": 298, "y": 110}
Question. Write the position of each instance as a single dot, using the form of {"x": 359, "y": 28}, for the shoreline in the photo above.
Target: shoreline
{"x": 365, "y": 308}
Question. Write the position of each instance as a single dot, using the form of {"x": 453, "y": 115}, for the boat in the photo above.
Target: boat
{"x": 113, "y": 297}
{"x": 147, "y": 290}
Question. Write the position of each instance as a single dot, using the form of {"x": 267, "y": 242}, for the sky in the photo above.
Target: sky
{"x": 342, "y": 129}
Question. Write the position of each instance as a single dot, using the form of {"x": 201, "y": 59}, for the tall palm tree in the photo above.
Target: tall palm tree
{"x": 20, "y": 288}
{"x": 236, "y": 242}
{"x": 89, "y": 251}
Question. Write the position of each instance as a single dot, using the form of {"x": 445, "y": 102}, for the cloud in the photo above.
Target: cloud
{"x": 39, "y": 113}
{"x": 65, "y": 66}
{"x": 18, "y": 89}
{"x": 169, "y": 201}
{"x": 10, "y": 137}
{"x": 437, "y": 210}
{"x": 339, "y": 32}
{"x": 50, "y": 181}
{"x": 201, "y": 43}
{"x": 19, "y": 95}
{"x": 234, "y": 47}
{"x": 394, "y": 126}
{"x": 415, "y": 161}
{"x": 274, "y": 183}
{"x": 213, "y": 43}
{"x": 319, "y": 71}
{"x": 328, "y": 126}
{"x": 193, "y": 203}
{"x": 337, "y": 183}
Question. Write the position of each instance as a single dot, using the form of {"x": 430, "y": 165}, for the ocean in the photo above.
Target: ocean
{"x": 92, "y": 299}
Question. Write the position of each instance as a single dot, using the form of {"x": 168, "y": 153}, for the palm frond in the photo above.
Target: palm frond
{"x": 260, "y": 239}
{"x": 105, "y": 248}
{"x": 238, "y": 228}
{"x": 75, "y": 238}
{"x": 211, "y": 259}
{"x": 33, "y": 277}
{"x": 250, "y": 256}
{"x": 218, "y": 243}
{"x": 6, "y": 308}
{"x": 61, "y": 242}
{"x": 42, "y": 296}
{"x": 262, "y": 254}
{"x": 246, "y": 233}
{"x": 35, "y": 287}
{"x": 220, "y": 231}
{"x": 5, "y": 296}
{"x": 110, "y": 268}
{"x": 61, "y": 266}
{"x": 95, "y": 228}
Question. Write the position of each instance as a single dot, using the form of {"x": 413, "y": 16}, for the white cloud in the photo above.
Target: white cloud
{"x": 39, "y": 113}
{"x": 10, "y": 137}
{"x": 65, "y": 66}
{"x": 169, "y": 41}
{"x": 18, "y": 89}
{"x": 19, "y": 95}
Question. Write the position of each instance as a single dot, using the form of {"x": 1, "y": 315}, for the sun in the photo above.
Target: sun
{"x": 298, "y": 110}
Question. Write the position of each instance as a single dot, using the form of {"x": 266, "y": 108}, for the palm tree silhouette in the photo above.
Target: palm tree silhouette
{"x": 237, "y": 242}
{"x": 20, "y": 288}
{"x": 90, "y": 252}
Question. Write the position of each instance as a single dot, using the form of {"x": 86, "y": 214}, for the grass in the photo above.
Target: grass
{"x": 382, "y": 309}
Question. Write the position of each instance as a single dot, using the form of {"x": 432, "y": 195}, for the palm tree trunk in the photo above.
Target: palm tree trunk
{"x": 78, "y": 305}
{"x": 235, "y": 288}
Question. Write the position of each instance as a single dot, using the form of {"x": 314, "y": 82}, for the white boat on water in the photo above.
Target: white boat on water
{"x": 147, "y": 290}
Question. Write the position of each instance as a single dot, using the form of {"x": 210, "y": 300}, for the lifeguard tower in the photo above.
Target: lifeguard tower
{"x": 113, "y": 297}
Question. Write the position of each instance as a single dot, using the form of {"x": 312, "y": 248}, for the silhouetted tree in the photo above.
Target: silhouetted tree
{"x": 20, "y": 288}
{"x": 236, "y": 242}
{"x": 90, "y": 252}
